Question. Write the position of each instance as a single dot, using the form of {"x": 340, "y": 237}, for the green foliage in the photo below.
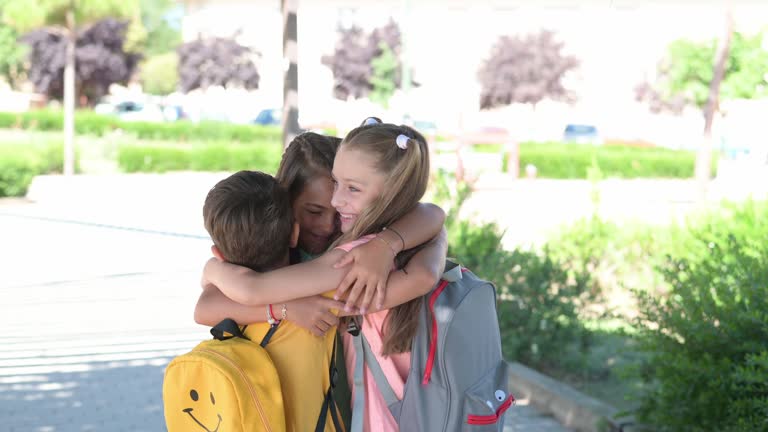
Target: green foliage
{"x": 572, "y": 161}
{"x": 745, "y": 77}
{"x": 25, "y": 15}
{"x": 539, "y": 299}
{"x": 384, "y": 77}
{"x": 88, "y": 122}
{"x": 540, "y": 311}
{"x": 218, "y": 156}
{"x": 688, "y": 70}
{"x": 16, "y": 171}
{"x": 20, "y": 162}
{"x": 708, "y": 338}
{"x": 12, "y": 55}
{"x": 159, "y": 74}
{"x": 162, "y": 35}
{"x": 751, "y": 379}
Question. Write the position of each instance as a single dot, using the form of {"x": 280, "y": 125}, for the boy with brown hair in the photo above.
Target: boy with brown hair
{"x": 249, "y": 218}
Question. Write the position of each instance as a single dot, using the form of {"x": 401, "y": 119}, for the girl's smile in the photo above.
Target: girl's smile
{"x": 358, "y": 183}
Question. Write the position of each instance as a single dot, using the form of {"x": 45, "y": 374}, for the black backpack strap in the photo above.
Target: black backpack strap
{"x": 329, "y": 404}
{"x": 227, "y": 325}
{"x": 270, "y": 332}
{"x": 342, "y": 396}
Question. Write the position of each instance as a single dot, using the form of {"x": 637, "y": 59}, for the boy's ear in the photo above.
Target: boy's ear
{"x": 294, "y": 235}
{"x": 217, "y": 253}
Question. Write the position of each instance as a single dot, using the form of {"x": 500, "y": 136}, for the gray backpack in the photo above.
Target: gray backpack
{"x": 458, "y": 379}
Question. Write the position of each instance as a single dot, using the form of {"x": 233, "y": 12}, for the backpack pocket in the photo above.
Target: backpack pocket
{"x": 487, "y": 400}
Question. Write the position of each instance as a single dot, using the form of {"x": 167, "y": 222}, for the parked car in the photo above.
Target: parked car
{"x": 269, "y": 117}
{"x": 138, "y": 111}
{"x": 581, "y": 133}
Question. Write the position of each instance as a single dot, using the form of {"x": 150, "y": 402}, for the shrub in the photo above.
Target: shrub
{"x": 539, "y": 312}
{"x": 21, "y": 162}
{"x": 17, "y": 169}
{"x": 199, "y": 157}
{"x": 558, "y": 160}
{"x": 159, "y": 74}
{"x": 708, "y": 338}
{"x": 539, "y": 300}
{"x": 90, "y": 123}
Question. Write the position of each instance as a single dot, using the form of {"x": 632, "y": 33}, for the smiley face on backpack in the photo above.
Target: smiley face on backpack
{"x": 201, "y": 411}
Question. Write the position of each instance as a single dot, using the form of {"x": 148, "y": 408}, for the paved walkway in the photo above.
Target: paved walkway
{"x": 96, "y": 299}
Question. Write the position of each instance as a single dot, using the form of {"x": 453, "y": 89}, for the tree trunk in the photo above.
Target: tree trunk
{"x": 704, "y": 157}
{"x": 69, "y": 93}
{"x": 290, "y": 121}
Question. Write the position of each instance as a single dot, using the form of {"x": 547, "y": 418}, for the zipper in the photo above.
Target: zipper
{"x": 433, "y": 340}
{"x": 254, "y": 397}
{"x": 433, "y": 344}
{"x": 493, "y": 418}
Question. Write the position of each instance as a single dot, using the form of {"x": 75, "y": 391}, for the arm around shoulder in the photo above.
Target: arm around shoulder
{"x": 250, "y": 288}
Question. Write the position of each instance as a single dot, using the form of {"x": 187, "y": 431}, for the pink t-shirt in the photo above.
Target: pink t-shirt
{"x": 377, "y": 417}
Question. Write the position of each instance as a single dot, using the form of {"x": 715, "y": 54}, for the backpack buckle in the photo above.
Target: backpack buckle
{"x": 353, "y": 327}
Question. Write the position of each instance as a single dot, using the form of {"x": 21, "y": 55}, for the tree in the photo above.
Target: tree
{"x": 685, "y": 74}
{"x": 355, "y": 54}
{"x": 12, "y": 55}
{"x": 701, "y": 74}
{"x": 100, "y": 57}
{"x": 160, "y": 75}
{"x": 65, "y": 16}
{"x": 384, "y": 76}
{"x": 216, "y": 61}
{"x": 290, "y": 118}
{"x": 525, "y": 69}
{"x": 163, "y": 32}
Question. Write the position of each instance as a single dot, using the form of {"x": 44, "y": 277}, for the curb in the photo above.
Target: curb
{"x": 569, "y": 406}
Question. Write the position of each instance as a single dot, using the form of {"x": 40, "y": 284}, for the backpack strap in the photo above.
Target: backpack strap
{"x": 378, "y": 374}
{"x": 270, "y": 332}
{"x": 358, "y": 407}
{"x": 227, "y": 326}
{"x": 329, "y": 403}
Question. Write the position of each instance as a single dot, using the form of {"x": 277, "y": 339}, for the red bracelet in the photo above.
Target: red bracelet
{"x": 271, "y": 316}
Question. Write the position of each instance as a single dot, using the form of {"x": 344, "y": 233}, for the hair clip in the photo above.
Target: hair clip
{"x": 371, "y": 121}
{"x": 402, "y": 141}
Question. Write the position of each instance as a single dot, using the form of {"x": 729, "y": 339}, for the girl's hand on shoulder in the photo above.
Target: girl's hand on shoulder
{"x": 366, "y": 280}
{"x": 313, "y": 313}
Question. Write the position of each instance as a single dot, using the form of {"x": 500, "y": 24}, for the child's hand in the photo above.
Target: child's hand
{"x": 367, "y": 278}
{"x": 313, "y": 313}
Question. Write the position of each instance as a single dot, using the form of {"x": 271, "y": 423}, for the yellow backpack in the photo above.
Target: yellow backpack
{"x": 226, "y": 384}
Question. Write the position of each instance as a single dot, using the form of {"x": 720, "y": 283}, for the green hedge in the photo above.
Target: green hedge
{"x": 90, "y": 123}
{"x": 21, "y": 162}
{"x": 571, "y": 161}
{"x": 263, "y": 156}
